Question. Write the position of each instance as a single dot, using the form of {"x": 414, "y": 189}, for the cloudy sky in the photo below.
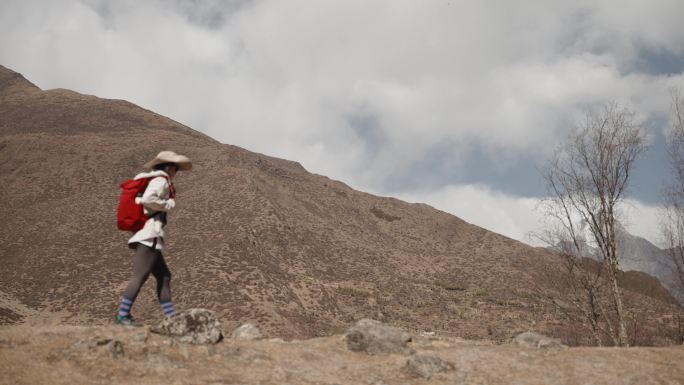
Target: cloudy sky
{"x": 452, "y": 103}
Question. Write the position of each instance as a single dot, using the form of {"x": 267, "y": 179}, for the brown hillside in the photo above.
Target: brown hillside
{"x": 254, "y": 238}
{"x": 646, "y": 284}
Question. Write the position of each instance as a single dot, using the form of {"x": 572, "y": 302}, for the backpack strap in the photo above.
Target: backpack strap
{"x": 172, "y": 194}
{"x": 172, "y": 189}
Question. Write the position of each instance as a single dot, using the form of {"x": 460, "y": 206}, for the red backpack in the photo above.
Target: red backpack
{"x": 130, "y": 215}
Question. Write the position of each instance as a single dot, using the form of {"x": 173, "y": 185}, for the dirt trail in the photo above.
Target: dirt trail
{"x": 111, "y": 355}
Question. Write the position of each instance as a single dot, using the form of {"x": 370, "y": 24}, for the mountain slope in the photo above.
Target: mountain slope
{"x": 254, "y": 238}
{"x": 640, "y": 255}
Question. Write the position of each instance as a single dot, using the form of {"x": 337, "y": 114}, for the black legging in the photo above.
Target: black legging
{"x": 148, "y": 260}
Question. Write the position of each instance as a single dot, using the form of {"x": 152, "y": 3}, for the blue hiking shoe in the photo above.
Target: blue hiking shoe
{"x": 126, "y": 320}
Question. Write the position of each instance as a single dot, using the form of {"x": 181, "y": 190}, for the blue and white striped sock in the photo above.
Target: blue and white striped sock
{"x": 125, "y": 306}
{"x": 167, "y": 307}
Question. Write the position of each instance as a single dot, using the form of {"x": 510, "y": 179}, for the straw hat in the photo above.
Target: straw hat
{"x": 182, "y": 161}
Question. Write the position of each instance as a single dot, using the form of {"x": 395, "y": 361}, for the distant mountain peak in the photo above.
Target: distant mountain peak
{"x": 13, "y": 82}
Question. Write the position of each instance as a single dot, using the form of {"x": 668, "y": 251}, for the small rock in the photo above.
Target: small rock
{"x": 196, "y": 326}
{"x": 140, "y": 337}
{"x": 374, "y": 337}
{"x": 91, "y": 343}
{"x": 115, "y": 348}
{"x": 92, "y": 347}
{"x": 425, "y": 366}
{"x": 537, "y": 341}
{"x": 247, "y": 331}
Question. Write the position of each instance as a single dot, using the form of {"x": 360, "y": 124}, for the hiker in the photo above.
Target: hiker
{"x": 149, "y": 240}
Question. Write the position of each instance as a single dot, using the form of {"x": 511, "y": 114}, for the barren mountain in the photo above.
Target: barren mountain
{"x": 254, "y": 238}
{"x": 640, "y": 255}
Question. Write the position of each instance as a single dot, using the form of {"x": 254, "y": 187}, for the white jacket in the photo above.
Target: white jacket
{"x": 155, "y": 199}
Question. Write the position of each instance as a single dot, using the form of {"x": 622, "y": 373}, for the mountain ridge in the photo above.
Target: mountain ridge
{"x": 640, "y": 254}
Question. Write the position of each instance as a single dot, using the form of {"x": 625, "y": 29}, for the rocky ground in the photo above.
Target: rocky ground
{"x": 367, "y": 353}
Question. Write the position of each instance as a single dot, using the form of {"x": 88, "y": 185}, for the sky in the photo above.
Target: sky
{"x": 457, "y": 104}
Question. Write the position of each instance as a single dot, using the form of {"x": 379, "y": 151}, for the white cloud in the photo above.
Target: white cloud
{"x": 512, "y": 216}
{"x": 358, "y": 90}
{"x": 644, "y": 221}
{"x": 519, "y": 217}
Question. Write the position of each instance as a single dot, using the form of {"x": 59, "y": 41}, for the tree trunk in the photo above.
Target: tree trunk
{"x": 593, "y": 321}
{"x": 617, "y": 298}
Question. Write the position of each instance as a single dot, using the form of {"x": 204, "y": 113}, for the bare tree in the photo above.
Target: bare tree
{"x": 673, "y": 221}
{"x": 580, "y": 284}
{"x": 586, "y": 182}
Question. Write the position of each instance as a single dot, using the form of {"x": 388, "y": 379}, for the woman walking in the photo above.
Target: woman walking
{"x": 148, "y": 243}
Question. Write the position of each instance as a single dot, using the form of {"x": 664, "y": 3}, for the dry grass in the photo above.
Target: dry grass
{"x": 353, "y": 291}
{"x": 451, "y": 286}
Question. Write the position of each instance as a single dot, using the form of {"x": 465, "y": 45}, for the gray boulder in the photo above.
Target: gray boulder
{"x": 195, "y": 326}
{"x": 374, "y": 337}
{"x": 247, "y": 332}
{"x": 537, "y": 341}
{"x": 425, "y": 366}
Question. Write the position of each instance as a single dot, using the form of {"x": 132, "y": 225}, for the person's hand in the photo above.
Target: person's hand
{"x": 170, "y": 203}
